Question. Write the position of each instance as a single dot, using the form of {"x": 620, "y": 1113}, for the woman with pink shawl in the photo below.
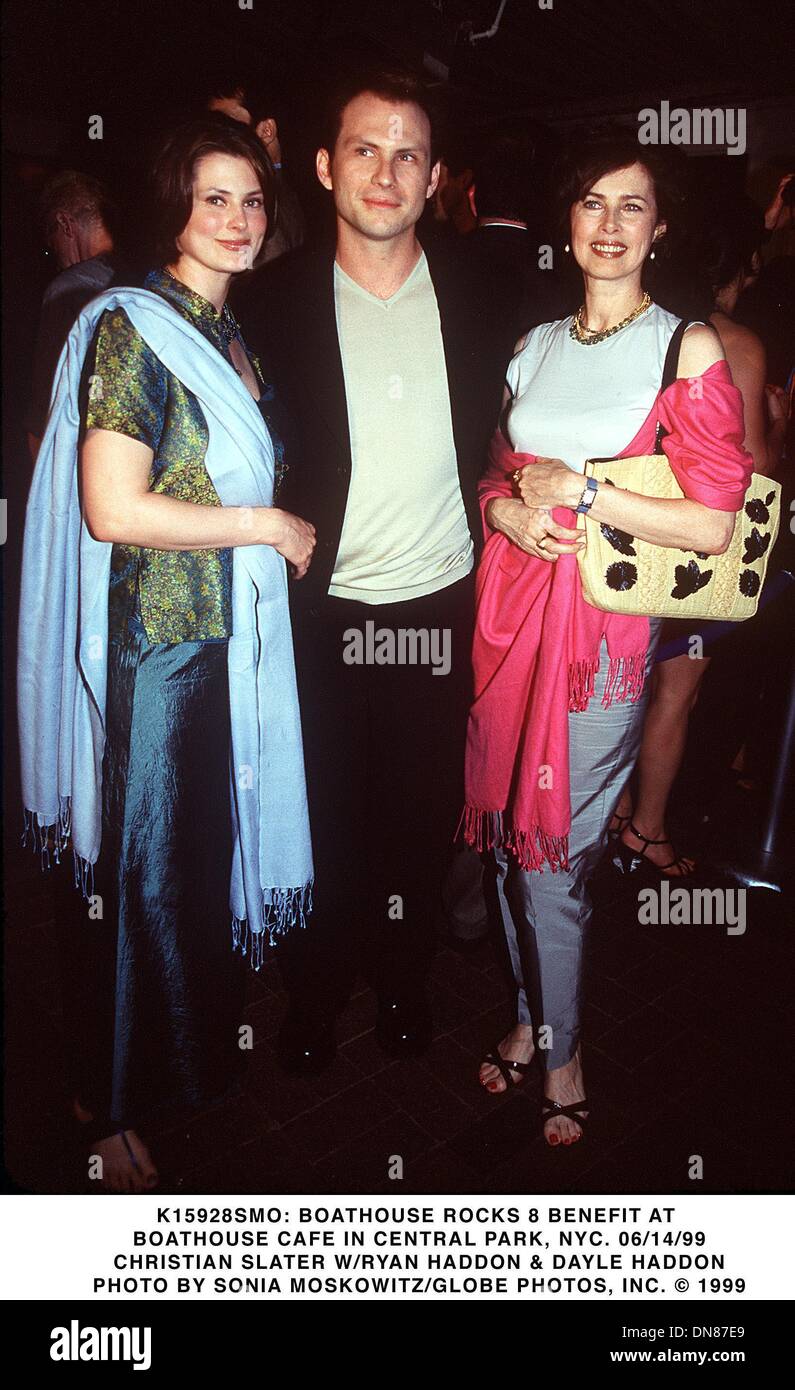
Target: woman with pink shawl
{"x": 559, "y": 685}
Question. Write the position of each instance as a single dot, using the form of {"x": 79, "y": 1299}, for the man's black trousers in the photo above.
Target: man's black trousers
{"x": 384, "y": 750}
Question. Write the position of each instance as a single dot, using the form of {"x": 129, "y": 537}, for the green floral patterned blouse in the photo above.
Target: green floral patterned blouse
{"x": 178, "y": 595}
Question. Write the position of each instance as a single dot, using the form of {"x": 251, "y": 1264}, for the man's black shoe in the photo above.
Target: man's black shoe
{"x": 305, "y": 1047}
{"x": 404, "y": 1028}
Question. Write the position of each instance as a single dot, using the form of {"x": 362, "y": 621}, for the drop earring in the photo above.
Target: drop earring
{"x": 653, "y": 254}
{"x": 567, "y": 248}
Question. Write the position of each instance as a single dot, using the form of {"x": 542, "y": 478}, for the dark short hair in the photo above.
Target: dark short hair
{"x": 80, "y": 195}
{"x": 726, "y": 246}
{"x": 608, "y": 148}
{"x": 504, "y": 178}
{"x": 391, "y": 83}
{"x": 247, "y": 92}
{"x": 174, "y": 171}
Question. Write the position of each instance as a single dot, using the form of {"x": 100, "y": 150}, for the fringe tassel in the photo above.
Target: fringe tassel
{"x": 84, "y": 876}
{"x": 532, "y": 848}
{"x": 56, "y": 835}
{"x": 582, "y": 675}
{"x": 285, "y": 909}
{"x": 281, "y": 911}
{"x": 45, "y": 837}
{"x": 626, "y": 676}
{"x": 246, "y": 942}
{"x": 481, "y": 829}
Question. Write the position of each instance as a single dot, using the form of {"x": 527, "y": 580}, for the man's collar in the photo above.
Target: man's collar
{"x": 502, "y": 222}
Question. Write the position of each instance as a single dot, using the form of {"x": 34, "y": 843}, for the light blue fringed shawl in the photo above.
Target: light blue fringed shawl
{"x": 63, "y": 638}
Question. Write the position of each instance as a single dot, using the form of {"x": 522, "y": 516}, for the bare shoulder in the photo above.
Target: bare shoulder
{"x": 744, "y": 345}
{"x": 701, "y": 348}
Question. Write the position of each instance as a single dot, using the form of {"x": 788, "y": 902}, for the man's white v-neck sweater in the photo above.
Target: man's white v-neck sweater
{"x": 405, "y": 531}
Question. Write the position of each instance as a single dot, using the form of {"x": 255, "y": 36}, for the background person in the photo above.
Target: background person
{"x": 78, "y": 221}
{"x": 727, "y": 259}
{"x": 244, "y": 101}
{"x": 505, "y": 247}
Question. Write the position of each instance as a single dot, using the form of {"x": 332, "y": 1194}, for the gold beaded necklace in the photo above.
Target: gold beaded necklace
{"x": 587, "y": 337}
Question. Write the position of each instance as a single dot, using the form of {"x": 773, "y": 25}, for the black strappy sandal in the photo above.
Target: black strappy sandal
{"x": 550, "y": 1109}
{"x": 628, "y": 860}
{"x": 505, "y": 1067}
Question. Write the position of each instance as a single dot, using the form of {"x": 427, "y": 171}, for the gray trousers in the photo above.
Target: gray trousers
{"x": 545, "y": 915}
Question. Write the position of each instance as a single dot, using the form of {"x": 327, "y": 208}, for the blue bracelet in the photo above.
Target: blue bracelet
{"x": 588, "y": 492}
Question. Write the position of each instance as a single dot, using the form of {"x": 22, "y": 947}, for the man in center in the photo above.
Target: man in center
{"x": 391, "y": 377}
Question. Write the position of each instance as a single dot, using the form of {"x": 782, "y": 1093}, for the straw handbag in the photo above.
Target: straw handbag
{"x": 621, "y": 574}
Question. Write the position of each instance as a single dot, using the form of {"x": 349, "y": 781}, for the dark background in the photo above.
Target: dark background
{"x": 142, "y": 65}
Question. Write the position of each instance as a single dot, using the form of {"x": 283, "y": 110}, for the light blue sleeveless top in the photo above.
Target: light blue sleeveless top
{"x": 575, "y": 401}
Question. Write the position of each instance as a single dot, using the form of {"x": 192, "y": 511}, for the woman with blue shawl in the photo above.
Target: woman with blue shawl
{"x": 159, "y": 722}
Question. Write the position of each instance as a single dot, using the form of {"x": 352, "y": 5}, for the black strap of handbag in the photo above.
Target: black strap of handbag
{"x": 670, "y": 372}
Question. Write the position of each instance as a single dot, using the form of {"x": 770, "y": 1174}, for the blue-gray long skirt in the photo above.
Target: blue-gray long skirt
{"x": 156, "y": 993}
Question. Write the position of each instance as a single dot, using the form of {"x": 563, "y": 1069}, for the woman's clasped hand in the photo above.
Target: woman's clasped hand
{"x": 527, "y": 520}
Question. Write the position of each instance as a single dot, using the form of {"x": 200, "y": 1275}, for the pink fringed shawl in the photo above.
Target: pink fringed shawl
{"x": 535, "y": 656}
{"x": 537, "y": 642}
